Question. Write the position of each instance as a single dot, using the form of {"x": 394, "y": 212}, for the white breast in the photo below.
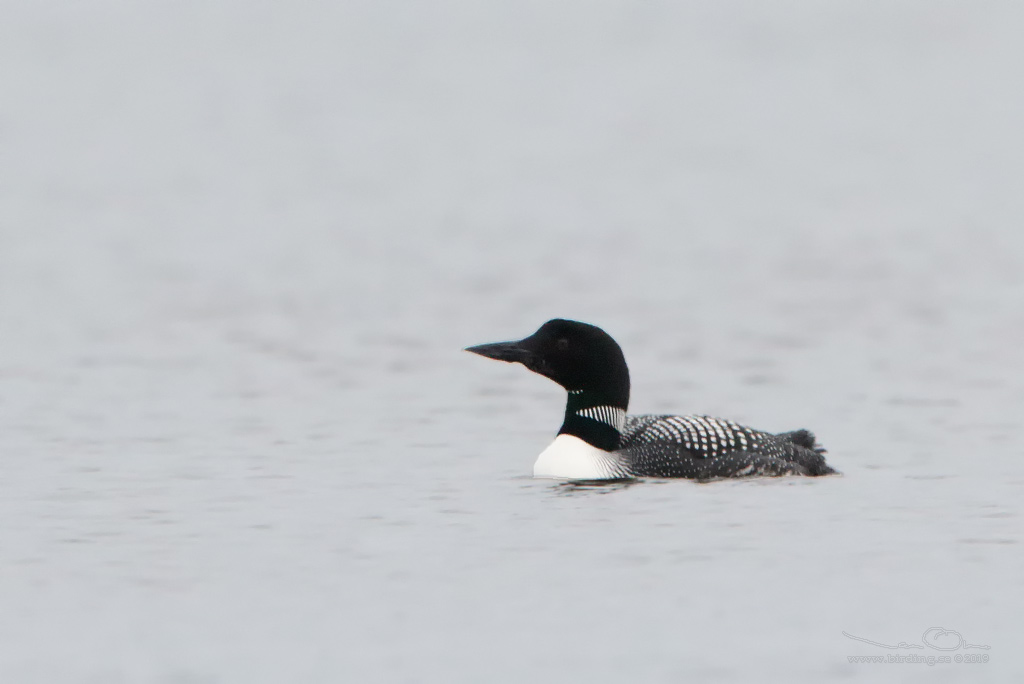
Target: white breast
{"x": 570, "y": 458}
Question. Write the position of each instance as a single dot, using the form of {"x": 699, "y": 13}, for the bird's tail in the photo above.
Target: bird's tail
{"x": 806, "y": 452}
{"x": 803, "y": 438}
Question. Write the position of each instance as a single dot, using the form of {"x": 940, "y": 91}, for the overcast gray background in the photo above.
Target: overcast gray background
{"x": 243, "y": 243}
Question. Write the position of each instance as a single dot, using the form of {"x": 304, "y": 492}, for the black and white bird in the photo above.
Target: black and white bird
{"x": 599, "y": 441}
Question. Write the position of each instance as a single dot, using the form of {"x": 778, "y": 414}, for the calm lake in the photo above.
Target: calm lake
{"x": 242, "y": 246}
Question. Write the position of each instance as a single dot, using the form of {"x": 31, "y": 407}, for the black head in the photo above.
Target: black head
{"x": 580, "y": 357}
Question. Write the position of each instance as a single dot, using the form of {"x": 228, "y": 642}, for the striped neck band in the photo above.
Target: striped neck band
{"x": 609, "y": 415}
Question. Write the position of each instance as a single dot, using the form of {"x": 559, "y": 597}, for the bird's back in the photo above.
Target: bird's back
{"x": 702, "y": 447}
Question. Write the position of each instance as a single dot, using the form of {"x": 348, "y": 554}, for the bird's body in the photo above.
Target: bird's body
{"x": 599, "y": 441}
{"x": 701, "y": 447}
{"x": 570, "y": 458}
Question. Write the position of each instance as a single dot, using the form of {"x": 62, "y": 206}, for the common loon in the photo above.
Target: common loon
{"x": 598, "y": 441}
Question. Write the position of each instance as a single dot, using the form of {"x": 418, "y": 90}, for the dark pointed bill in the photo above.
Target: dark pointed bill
{"x": 502, "y": 351}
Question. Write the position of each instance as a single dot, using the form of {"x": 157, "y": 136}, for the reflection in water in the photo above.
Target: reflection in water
{"x": 577, "y": 487}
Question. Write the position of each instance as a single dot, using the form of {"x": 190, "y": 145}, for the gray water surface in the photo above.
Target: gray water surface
{"x": 242, "y": 246}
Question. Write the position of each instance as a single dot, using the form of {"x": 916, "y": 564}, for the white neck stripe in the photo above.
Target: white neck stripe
{"x": 609, "y": 415}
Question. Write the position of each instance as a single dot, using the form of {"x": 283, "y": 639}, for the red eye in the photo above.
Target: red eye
{"x": 563, "y": 344}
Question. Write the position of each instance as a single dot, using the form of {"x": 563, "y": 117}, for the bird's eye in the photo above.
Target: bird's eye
{"x": 563, "y": 344}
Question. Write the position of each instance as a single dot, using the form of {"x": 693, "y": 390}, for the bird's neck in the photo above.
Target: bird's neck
{"x": 596, "y": 417}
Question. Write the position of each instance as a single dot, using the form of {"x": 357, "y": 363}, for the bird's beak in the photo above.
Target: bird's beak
{"x": 513, "y": 352}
